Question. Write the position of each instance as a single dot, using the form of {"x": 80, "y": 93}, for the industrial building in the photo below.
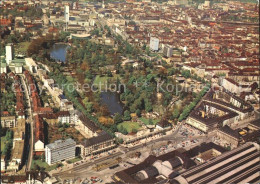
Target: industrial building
{"x": 240, "y": 165}
{"x": 206, "y": 163}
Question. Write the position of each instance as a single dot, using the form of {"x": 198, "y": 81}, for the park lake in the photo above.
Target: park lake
{"x": 112, "y": 101}
{"x": 59, "y": 52}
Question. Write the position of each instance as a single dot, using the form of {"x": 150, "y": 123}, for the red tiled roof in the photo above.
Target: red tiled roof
{"x": 5, "y": 113}
{"x": 5, "y": 22}
{"x": 39, "y": 128}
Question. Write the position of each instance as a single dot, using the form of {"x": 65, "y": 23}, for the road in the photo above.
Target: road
{"x": 30, "y": 120}
{"x": 80, "y": 168}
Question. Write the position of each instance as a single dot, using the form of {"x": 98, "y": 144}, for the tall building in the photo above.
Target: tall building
{"x": 3, "y": 68}
{"x": 103, "y": 4}
{"x": 154, "y": 43}
{"x": 3, "y": 163}
{"x": 60, "y": 150}
{"x": 207, "y": 3}
{"x": 167, "y": 51}
{"x": 67, "y": 15}
{"x": 9, "y": 53}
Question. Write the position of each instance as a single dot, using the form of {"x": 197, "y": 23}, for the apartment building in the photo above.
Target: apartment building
{"x": 95, "y": 145}
{"x": 8, "y": 121}
{"x": 60, "y": 150}
{"x": 167, "y": 51}
{"x": 154, "y": 44}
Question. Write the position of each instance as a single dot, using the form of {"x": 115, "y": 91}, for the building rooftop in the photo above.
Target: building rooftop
{"x": 210, "y": 121}
{"x": 238, "y": 165}
{"x": 233, "y": 133}
{"x": 21, "y": 61}
{"x": 203, "y": 148}
{"x": 61, "y": 143}
{"x": 88, "y": 123}
{"x": 148, "y": 171}
{"x": 17, "y": 152}
{"x": 255, "y": 123}
{"x": 102, "y": 137}
{"x": 19, "y": 131}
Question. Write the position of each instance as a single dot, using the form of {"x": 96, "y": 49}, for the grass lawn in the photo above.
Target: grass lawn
{"x": 74, "y": 160}
{"x": 44, "y": 164}
{"x": 100, "y": 80}
{"x": 2, "y": 143}
{"x": 22, "y": 47}
{"x": 104, "y": 80}
{"x": 129, "y": 126}
{"x": 146, "y": 121}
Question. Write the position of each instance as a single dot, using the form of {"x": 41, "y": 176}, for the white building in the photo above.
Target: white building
{"x": 64, "y": 117}
{"x": 67, "y": 16}
{"x": 60, "y": 150}
{"x": 9, "y": 53}
{"x": 95, "y": 145}
{"x": 3, "y": 68}
{"x": 154, "y": 43}
{"x": 86, "y": 125}
{"x": 18, "y": 68}
{"x": 39, "y": 146}
{"x": 168, "y": 51}
{"x": 234, "y": 87}
{"x": 207, "y": 3}
{"x": 66, "y": 13}
{"x": 74, "y": 116}
{"x": 3, "y": 163}
{"x": 33, "y": 67}
{"x": 8, "y": 121}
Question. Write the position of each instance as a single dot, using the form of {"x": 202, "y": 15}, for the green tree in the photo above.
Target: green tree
{"x": 43, "y": 158}
{"x": 120, "y": 141}
{"x": 113, "y": 128}
{"x": 118, "y": 118}
{"x": 124, "y": 131}
{"x": 150, "y": 122}
{"x": 134, "y": 130}
{"x": 127, "y": 115}
{"x": 186, "y": 73}
{"x": 148, "y": 106}
{"x": 66, "y": 125}
{"x": 175, "y": 113}
{"x": 138, "y": 112}
{"x": 61, "y": 129}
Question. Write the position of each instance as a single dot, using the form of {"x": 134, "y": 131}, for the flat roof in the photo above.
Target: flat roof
{"x": 17, "y": 152}
{"x": 18, "y": 61}
{"x": 97, "y": 140}
{"x": 61, "y": 143}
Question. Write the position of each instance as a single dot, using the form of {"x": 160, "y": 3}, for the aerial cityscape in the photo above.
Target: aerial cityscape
{"x": 129, "y": 91}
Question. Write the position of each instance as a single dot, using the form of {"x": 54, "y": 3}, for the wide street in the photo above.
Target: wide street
{"x": 29, "y": 120}
{"x": 173, "y": 136}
